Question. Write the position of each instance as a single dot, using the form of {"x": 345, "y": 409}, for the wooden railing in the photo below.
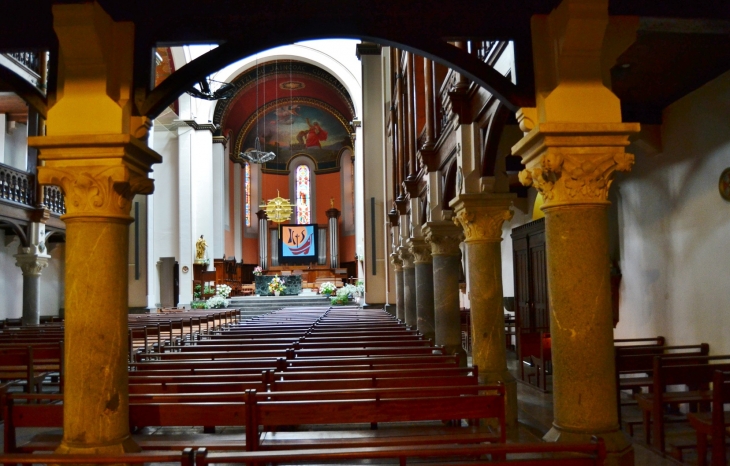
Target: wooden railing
{"x": 30, "y": 60}
{"x": 17, "y": 186}
{"x": 53, "y": 200}
{"x": 20, "y": 187}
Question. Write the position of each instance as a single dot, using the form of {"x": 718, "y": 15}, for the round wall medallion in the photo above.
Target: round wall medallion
{"x": 724, "y": 184}
{"x": 185, "y": 269}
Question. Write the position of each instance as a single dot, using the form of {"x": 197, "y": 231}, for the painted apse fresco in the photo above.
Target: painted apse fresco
{"x": 289, "y": 127}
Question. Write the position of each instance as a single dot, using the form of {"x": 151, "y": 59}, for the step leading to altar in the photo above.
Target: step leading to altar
{"x": 256, "y": 305}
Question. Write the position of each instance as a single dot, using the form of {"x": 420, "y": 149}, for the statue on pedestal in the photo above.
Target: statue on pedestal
{"x": 200, "y": 246}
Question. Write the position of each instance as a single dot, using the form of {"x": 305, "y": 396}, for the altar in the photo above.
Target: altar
{"x": 293, "y": 284}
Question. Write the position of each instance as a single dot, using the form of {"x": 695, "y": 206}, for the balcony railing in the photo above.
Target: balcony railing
{"x": 53, "y": 199}
{"x": 30, "y": 60}
{"x": 17, "y": 186}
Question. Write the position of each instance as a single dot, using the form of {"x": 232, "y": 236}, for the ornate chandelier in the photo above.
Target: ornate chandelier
{"x": 278, "y": 209}
{"x": 256, "y": 155}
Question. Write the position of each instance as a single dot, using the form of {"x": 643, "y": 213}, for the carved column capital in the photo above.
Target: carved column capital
{"x": 574, "y": 163}
{"x": 99, "y": 174}
{"x": 406, "y": 257}
{"x": 482, "y": 215}
{"x": 444, "y": 238}
{"x": 31, "y": 264}
{"x": 397, "y": 262}
{"x": 421, "y": 251}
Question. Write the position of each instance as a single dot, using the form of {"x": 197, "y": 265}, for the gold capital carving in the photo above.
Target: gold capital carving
{"x": 574, "y": 163}
{"x": 481, "y": 216}
{"x": 97, "y": 191}
{"x": 421, "y": 251}
{"x": 444, "y": 238}
{"x": 98, "y": 174}
{"x": 397, "y": 262}
{"x": 406, "y": 257}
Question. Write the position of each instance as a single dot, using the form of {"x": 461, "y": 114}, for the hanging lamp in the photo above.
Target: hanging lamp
{"x": 255, "y": 154}
{"x": 278, "y": 209}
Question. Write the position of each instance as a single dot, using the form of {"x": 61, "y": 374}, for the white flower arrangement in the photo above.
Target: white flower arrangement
{"x": 217, "y": 302}
{"x": 223, "y": 290}
{"x": 327, "y": 288}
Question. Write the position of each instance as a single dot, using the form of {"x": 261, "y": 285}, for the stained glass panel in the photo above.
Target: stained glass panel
{"x": 303, "y": 189}
{"x": 247, "y": 190}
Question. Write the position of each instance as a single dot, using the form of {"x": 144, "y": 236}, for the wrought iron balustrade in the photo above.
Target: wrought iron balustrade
{"x": 53, "y": 200}
{"x": 17, "y": 186}
{"x": 484, "y": 48}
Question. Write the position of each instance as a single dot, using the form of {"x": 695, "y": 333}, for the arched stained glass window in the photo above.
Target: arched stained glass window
{"x": 303, "y": 195}
{"x": 247, "y": 191}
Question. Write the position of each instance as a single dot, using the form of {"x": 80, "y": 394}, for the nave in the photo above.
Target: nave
{"x": 296, "y": 386}
{"x": 329, "y": 380}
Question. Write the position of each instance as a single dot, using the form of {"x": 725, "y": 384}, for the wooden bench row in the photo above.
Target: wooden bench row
{"x": 264, "y": 412}
{"x": 541, "y": 454}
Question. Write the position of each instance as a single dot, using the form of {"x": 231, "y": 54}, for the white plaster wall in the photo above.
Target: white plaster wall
{"x": 165, "y": 222}
{"x": 16, "y": 146}
{"x": 674, "y": 226}
{"x": 11, "y": 285}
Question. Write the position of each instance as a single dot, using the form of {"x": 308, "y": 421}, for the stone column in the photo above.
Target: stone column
{"x": 572, "y": 166}
{"x": 400, "y": 310}
{"x": 263, "y": 239}
{"x": 31, "y": 263}
{"x": 421, "y": 251}
{"x": 409, "y": 287}
{"x": 481, "y": 216}
{"x": 96, "y": 151}
{"x": 445, "y": 238}
{"x": 333, "y": 236}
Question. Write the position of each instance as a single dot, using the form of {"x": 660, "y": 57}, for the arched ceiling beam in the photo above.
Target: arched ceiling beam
{"x": 439, "y": 51}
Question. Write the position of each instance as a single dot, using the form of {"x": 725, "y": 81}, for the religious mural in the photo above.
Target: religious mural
{"x": 300, "y": 126}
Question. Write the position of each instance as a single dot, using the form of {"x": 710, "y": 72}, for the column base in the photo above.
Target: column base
{"x": 457, "y": 349}
{"x": 125, "y": 445}
{"x": 620, "y": 450}
{"x": 510, "y": 386}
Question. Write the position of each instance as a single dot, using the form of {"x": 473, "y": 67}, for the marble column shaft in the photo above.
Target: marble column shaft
{"x": 481, "y": 216}
{"x": 31, "y": 264}
{"x": 425, "y": 318}
{"x": 444, "y": 238}
{"x": 400, "y": 309}
{"x": 572, "y": 165}
{"x": 409, "y": 288}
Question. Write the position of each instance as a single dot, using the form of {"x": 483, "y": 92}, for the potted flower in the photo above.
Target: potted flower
{"x": 217, "y": 302}
{"x": 258, "y": 271}
{"x": 223, "y": 290}
{"x": 327, "y": 288}
{"x": 276, "y": 285}
{"x": 342, "y": 296}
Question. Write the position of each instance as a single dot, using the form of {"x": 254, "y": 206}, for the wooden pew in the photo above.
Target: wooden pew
{"x": 540, "y": 454}
{"x": 652, "y": 341}
{"x": 184, "y": 459}
{"x": 379, "y": 405}
{"x": 695, "y": 372}
{"x": 715, "y": 423}
{"x": 634, "y": 365}
{"x": 145, "y": 413}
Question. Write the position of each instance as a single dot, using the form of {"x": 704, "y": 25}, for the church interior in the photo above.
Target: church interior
{"x": 365, "y": 233}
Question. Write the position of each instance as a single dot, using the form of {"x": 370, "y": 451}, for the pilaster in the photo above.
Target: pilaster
{"x": 481, "y": 217}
